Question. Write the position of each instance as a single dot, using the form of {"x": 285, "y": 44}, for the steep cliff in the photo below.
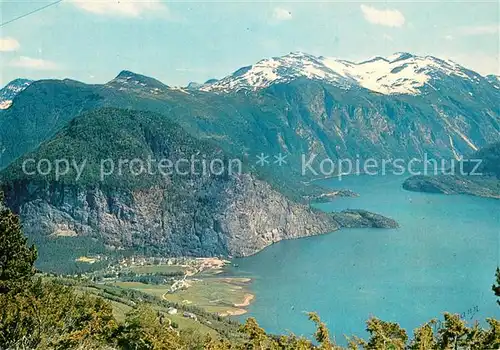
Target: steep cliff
{"x": 238, "y": 216}
{"x": 180, "y": 213}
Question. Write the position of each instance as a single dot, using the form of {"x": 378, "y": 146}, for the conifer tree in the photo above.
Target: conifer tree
{"x": 496, "y": 287}
{"x": 16, "y": 258}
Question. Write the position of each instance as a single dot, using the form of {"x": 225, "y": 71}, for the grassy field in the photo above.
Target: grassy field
{"x": 214, "y": 294}
{"x": 120, "y": 309}
{"x": 156, "y": 290}
{"x": 219, "y": 295}
{"x": 208, "y": 297}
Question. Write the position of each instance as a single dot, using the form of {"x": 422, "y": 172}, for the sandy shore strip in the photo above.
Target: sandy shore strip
{"x": 247, "y": 301}
{"x": 237, "y": 280}
{"x": 236, "y": 312}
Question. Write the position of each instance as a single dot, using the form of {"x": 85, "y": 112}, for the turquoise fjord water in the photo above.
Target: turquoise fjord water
{"x": 442, "y": 258}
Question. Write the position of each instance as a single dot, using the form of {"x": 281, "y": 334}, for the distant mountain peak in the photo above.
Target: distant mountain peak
{"x": 399, "y": 56}
{"x": 9, "y": 91}
{"x": 300, "y": 54}
{"x": 193, "y": 85}
{"x": 400, "y": 73}
{"x": 198, "y": 86}
{"x": 126, "y": 73}
{"x": 374, "y": 59}
{"x": 19, "y": 81}
{"x": 130, "y": 80}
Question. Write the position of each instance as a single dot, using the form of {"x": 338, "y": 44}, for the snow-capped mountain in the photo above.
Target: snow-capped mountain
{"x": 401, "y": 73}
{"x": 9, "y": 91}
{"x": 398, "y": 106}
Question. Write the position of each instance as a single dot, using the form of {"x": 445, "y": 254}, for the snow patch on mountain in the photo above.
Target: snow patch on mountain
{"x": 10, "y": 91}
{"x": 401, "y": 73}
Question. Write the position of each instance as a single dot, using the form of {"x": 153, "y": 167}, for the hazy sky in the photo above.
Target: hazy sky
{"x": 179, "y": 42}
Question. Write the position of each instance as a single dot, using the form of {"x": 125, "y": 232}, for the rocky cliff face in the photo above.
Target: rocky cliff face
{"x": 256, "y": 216}
{"x": 185, "y": 212}
{"x": 176, "y": 214}
{"x": 236, "y": 217}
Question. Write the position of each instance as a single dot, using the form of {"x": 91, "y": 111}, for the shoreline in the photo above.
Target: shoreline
{"x": 247, "y": 301}
{"x": 239, "y": 311}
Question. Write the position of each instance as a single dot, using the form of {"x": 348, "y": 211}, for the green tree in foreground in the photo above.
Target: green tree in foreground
{"x": 385, "y": 336}
{"x": 496, "y": 287}
{"x": 16, "y": 259}
{"x": 424, "y": 338}
{"x": 145, "y": 328}
{"x": 51, "y": 316}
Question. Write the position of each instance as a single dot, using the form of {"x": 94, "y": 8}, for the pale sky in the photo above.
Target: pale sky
{"x": 180, "y": 42}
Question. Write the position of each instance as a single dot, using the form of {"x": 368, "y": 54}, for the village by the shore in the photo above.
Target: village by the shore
{"x": 178, "y": 277}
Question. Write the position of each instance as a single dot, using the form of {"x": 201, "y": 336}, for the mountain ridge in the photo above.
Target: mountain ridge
{"x": 400, "y": 73}
{"x": 393, "y": 58}
{"x": 299, "y": 117}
